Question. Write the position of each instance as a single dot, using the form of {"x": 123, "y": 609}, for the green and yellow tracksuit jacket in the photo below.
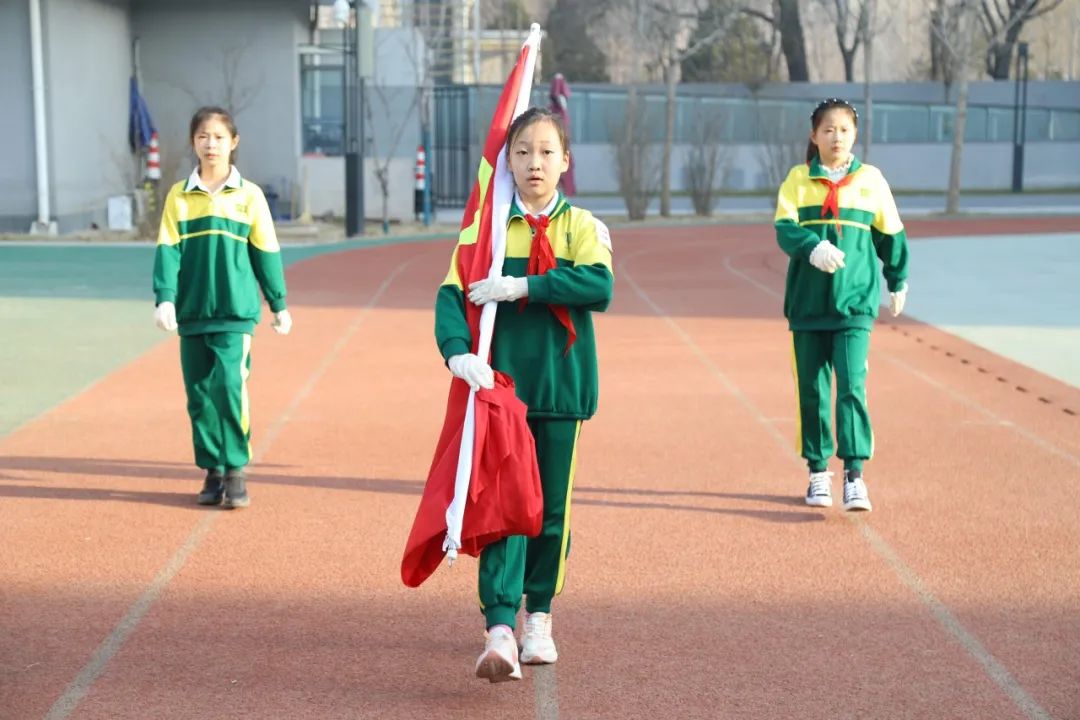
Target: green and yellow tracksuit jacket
{"x": 869, "y": 230}
{"x": 214, "y": 253}
{"x": 529, "y": 341}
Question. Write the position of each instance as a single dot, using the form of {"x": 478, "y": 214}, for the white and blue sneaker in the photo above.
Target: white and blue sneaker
{"x": 819, "y": 491}
{"x": 855, "y": 495}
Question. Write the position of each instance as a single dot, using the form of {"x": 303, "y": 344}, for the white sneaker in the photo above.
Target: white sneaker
{"x": 537, "y": 647}
{"x": 499, "y": 661}
{"x": 819, "y": 491}
{"x": 855, "y": 495}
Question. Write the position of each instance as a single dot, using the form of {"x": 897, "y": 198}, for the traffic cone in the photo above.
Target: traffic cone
{"x": 153, "y": 159}
{"x": 421, "y": 178}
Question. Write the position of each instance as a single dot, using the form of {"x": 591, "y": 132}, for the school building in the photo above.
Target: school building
{"x": 278, "y": 66}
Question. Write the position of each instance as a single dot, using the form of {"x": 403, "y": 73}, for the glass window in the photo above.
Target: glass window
{"x": 322, "y": 116}
{"x": 942, "y": 121}
{"x": 1064, "y": 125}
{"x": 999, "y": 124}
{"x": 908, "y": 124}
{"x": 744, "y": 123}
{"x": 1038, "y": 125}
{"x": 975, "y": 129}
{"x": 711, "y": 118}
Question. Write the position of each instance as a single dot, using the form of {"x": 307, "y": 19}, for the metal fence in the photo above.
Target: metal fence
{"x": 462, "y": 114}
{"x": 596, "y": 115}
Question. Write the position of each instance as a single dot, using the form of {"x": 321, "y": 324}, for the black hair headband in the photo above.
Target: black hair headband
{"x": 835, "y": 102}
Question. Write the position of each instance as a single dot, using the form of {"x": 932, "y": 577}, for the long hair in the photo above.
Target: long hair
{"x": 210, "y": 111}
{"x": 819, "y": 114}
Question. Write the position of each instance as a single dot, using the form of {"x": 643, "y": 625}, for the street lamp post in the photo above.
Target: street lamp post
{"x": 354, "y": 118}
{"x": 1020, "y": 117}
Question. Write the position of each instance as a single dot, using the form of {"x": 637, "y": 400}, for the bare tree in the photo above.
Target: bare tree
{"x": 634, "y": 157}
{"x": 943, "y": 25}
{"x": 855, "y": 24}
{"x": 387, "y": 101}
{"x": 708, "y": 158}
{"x": 956, "y": 38}
{"x": 849, "y": 19}
{"x": 958, "y": 42}
{"x": 1002, "y": 21}
{"x": 779, "y": 154}
{"x": 625, "y": 32}
{"x": 672, "y": 24}
{"x": 424, "y": 58}
{"x": 869, "y": 10}
{"x": 786, "y": 20}
{"x": 241, "y": 80}
{"x": 676, "y": 46}
{"x": 240, "y": 91}
{"x": 662, "y": 35}
{"x": 743, "y": 54}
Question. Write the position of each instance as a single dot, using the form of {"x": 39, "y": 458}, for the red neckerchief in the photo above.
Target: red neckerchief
{"x": 542, "y": 259}
{"x": 832, "y": 199}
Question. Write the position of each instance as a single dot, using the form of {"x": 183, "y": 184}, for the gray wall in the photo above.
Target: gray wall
{"x": 87, "y": 106}
{"x": 986, "y": 166}
{"x": 86, "y": 121}
{"x": 191, "y": 51}
{"x": 1043, "y": 93}
{"x": 18, "y": 196}
{"x": 392, "y": 130}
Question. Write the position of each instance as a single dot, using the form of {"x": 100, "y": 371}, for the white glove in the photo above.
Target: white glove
{"x": 282, "y": 322}
{"x": 897, "y": 300}
{"x": 500, "y": 289}
{"x": 472, "y": 370}
{"x": 165, "y": 316}
{"x": 826, "y": 257}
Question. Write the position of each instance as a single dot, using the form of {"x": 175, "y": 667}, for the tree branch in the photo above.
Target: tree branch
{"x": 1039, "y": 13}
{"x": 759, "y": 15}
{"x": 1002, "y": 15}
{"x": 703, "y": 42}
{"x": 987, "y": 20}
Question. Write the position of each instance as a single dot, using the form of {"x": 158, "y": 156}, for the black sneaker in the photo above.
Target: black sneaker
{"x": 235, "y": 489}
{"x": 818, "y": 492}
{"x": 855, "y": 495}
{"x": 213, "y": 489}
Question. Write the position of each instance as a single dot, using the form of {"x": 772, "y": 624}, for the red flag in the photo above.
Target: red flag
{"x": 504, "y": 496}
{"x": 476, "y": 494}
{"x": 560, "y": 105}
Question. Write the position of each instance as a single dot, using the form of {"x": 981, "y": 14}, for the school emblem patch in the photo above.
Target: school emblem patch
{"x": 602, "y": 234}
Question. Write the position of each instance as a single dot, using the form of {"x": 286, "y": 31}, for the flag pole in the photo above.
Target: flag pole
{"x": 503, "y": 196}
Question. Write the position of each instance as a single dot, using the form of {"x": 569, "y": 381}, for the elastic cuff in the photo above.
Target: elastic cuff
{"x": 539, "y": 288}
{"x": 853, "y": 464}
{"x": 277, "y": 305}
{"x": 500, "y": 615}
{"x": 817, "y": 467}
{"x": 454, "y": 346}
{"x": 540, "y": 604}
{"x": 165, "y": 296}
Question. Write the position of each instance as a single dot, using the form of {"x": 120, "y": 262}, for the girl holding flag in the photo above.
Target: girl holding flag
{"x": 836, "y": 218}
{"x": 557, "y": 271}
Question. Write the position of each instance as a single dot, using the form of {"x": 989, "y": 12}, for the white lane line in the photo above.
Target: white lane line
{"x": 993, "y": 667}
{"x": 99, "y": 660}
{"x": 1029, "y": 435}
{"x": 547, "y": 692}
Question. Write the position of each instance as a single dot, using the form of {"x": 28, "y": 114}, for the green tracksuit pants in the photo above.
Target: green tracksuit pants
{"x": 216, "y": 367}
{"x": 534, "y": 567}
{"x": 816, "y": 356}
